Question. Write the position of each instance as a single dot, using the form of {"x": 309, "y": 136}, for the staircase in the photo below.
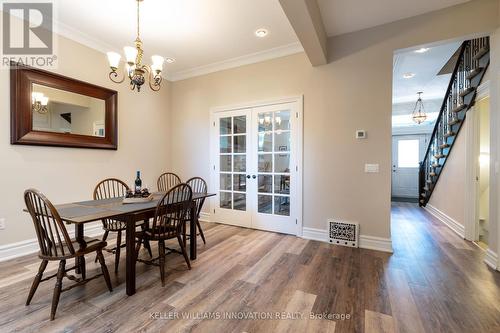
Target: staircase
{"x": 473, "y": 60}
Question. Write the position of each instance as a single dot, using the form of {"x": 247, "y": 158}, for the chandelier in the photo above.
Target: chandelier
{"x": 135, "y": 70}
{"x": 39, "y": 102}
{"x": 418, "y": 114}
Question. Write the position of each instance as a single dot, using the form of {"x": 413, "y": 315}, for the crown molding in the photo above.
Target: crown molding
{"x": 277, "y": 52}
{"x": 94, "y": 43}
{"x": 82, "y": 38}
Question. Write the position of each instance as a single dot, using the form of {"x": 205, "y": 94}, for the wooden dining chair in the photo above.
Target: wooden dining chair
{"x": 56, "y": 245}
{"x": 170, "y": 216}
{"x": 108, "y": 189}
{"x": 168, "y": 180}
{"x": 198, "y": 185}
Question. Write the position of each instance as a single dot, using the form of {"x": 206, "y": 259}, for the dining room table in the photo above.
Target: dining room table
{"x": 83, "y": 212}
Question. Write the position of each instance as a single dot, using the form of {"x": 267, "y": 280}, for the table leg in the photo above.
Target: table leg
{"x": 192, "y": 230}
{"x": 79, "y": 237}
{"x": 130, "y": 259}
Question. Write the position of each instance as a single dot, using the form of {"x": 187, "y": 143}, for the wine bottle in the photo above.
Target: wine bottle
{"x": 138, "y": 183}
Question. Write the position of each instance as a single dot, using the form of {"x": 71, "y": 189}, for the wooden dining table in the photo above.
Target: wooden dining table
{"x": 80, "y": 213}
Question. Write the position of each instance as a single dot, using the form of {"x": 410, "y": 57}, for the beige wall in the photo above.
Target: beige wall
{"x": 66, "y": 174}
{"x": 449, "y": 194}
{"x": 354, "y": 91}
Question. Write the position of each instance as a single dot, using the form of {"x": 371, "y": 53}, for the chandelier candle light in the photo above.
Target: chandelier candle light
{"x": 418, "y": 114}
{"x": 136, "y": 71}
{"x": 39, "y": 102}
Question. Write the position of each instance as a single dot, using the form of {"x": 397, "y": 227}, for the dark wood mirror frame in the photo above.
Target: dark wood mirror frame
{"x": 22, "y": 79}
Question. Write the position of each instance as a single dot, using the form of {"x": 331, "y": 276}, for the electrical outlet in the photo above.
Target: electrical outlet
{"x": 2, "y": 224}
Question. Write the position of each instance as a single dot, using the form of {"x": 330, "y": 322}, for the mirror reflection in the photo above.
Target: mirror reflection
{"x": 62, "y": 111}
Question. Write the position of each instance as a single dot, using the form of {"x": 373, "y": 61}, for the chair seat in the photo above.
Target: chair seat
{"x": 93, "y": 244}
{"x": 158, "y": 234}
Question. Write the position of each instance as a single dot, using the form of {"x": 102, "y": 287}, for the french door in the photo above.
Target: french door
{"x": 255, "y": 167}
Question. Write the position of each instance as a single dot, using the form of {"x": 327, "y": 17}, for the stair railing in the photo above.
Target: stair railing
{"x": 459, "y": 97}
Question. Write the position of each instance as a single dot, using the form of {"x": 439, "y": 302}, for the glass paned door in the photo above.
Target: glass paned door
{"x": 231, "y": 169}
{"x": 255, "y": 167}
{"x": 273, "y": 160}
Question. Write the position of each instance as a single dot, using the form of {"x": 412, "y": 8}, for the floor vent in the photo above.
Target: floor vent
{"x": 343, "y": 233}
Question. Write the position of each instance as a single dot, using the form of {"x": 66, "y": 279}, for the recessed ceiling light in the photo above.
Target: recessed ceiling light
{"x": 422, "y": 50}
{"x": 169, "y": 60}
{"x": 408, "y": 75}
{"x": 261, "y": 32}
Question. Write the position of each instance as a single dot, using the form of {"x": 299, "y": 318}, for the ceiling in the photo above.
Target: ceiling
{"x": 343, "y": 16}
{"x": 425, "y": 66}
{"x": 194, "y": 32}
{"x": 209, "y": 35}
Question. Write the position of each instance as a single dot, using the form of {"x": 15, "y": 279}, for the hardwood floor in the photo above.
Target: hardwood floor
{"x": 434, "y": 282}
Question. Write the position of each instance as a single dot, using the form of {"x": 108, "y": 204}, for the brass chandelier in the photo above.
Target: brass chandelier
{"x": 136, "y": 71}
{"x": 418, "y": 114}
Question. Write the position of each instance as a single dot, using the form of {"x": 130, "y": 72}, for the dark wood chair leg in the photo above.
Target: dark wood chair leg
{"x": 104, "y": 269}
{"x": 104, "y": 237}
{"x": 145, "y": 239}
{"x": 184, "y": 233}
{"x": 117, "y": 251}
{"x": 201, "y": 232}
{"x": 83, "y": 271}
{"x": 36, "y": 281}
{"x": 57, "y": 289}
{"x": 161, "y": 250}
{"x": 138, "y": 247}
{"x": 184, "y": 252}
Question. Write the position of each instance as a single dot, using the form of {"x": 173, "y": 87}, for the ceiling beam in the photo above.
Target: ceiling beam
{"x": 305, "y": 18}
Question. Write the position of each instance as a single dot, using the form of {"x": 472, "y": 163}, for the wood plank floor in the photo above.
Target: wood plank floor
{"x": 434, "y": 282}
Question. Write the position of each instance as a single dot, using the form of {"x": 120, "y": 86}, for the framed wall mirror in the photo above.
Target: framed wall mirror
{"x": 48, "y": 109}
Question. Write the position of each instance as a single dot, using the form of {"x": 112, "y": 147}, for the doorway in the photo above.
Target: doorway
{"x": 256, "y": 153}
{"x": 483, "y": 173}
{"x": 407, "y": 152}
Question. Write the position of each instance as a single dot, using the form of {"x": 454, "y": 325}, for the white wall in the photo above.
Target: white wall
{"x": 70, "y": 174}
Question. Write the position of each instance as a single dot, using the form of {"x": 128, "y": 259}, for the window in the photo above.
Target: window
{"x": 408, "y": 153}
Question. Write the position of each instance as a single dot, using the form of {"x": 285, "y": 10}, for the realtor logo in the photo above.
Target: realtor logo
{"x": 27, "y": 33}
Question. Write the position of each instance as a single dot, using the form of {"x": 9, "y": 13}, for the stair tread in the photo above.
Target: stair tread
{"x": 460, "y": 107}
{"x": 454, "y": 121}
{"x": 444, "y": 145}
{"x": 473, "y": 73}
{"x": 467, "y": 91}
{"x": 481, "y": 53}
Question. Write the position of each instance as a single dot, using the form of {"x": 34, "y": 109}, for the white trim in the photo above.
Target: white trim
{"x": 300, "y": 145}
{"x": 205, "y": 217}
{"x": 30, "y": 246}
{"x": 78, "y": 36}
{"x": 491, "y": 259}
{"x": 410, "y": 130}
{"x": 277, "y": 52}
{"x": 483, "y": 90}
{"x": 448, "y": 221}
{"x": 365, "y": 241}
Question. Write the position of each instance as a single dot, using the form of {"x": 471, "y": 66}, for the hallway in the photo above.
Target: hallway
{"x": 445, "y": 286}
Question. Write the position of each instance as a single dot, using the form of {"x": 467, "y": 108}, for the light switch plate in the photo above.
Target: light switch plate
{"x": 372, "y": 168}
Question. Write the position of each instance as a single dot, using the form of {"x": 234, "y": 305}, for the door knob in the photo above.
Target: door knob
{"x": 254, "y": 176}
{"x": 248, "y": 176}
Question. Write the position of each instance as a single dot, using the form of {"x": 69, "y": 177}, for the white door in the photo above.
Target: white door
{"x": 231, "y": 167}
{"x": 255, "y": 170}
{"x": 407, "y": 152}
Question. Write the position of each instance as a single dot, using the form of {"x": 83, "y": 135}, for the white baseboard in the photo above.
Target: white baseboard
{"x": 205, "y": 217}
{"x": 491, "y": 259}
{"x": 30, "y": 246}
{"x": 365, "y": 241}
{"x": 458, "y": 228}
